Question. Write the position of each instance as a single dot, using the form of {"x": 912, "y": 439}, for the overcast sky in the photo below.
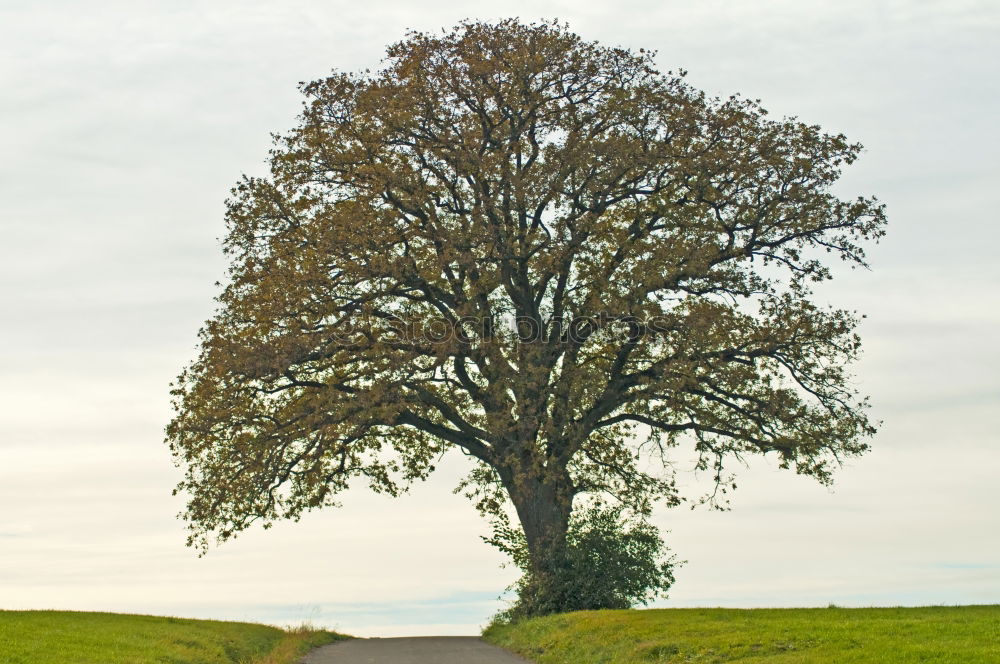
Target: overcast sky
{"x": 124, "y": 124}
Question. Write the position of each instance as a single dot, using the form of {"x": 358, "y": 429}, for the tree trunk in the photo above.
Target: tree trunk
{"x": 543, "y": 508}
{"x": 544, "y": 514}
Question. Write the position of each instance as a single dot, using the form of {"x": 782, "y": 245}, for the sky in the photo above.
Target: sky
{"x": 124, "y": 124}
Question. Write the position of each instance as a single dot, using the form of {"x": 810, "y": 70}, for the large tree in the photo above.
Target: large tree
{"x": 539, "y": 251}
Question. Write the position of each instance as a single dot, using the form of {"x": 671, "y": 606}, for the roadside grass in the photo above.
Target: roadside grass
{"x": 70, "y": 637}
{"x": 934, "y": 634}
{"x": 297, "y": 642}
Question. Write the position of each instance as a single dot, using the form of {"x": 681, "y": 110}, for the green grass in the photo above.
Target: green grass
{"x": 941, "y": 634}
{"x": 69, "y": 637}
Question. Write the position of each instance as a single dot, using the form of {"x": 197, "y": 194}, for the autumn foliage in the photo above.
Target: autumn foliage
{"x": 541, "y": 252}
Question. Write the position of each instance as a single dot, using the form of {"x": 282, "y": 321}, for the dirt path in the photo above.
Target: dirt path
{"x": 418, "y": 650}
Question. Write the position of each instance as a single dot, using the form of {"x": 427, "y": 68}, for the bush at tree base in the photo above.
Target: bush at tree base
{"x": 609, "y": 561}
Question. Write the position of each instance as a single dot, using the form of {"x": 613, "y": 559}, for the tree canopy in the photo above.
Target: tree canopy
{"x": 539, "y": 251}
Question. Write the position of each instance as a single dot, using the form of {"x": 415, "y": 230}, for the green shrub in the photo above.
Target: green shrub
{"x": 609, "y": 561}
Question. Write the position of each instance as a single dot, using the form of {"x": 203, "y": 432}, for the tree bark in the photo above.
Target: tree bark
{"x": 543, "y": 512}
{"x": 543, "y": 507}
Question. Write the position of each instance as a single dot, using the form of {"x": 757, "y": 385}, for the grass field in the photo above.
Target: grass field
{"x": 959, "y": 635}
{"x": 68, "y": 637}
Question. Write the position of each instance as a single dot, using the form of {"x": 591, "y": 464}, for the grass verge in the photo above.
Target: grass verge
{"x": 297, "y": 642}
{"x": 64, "y": 637}
{"x": 936, "y": 634}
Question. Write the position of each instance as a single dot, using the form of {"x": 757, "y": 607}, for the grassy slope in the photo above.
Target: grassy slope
{"x": 961, "y": 634}
{"x": 64, "y": 637}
